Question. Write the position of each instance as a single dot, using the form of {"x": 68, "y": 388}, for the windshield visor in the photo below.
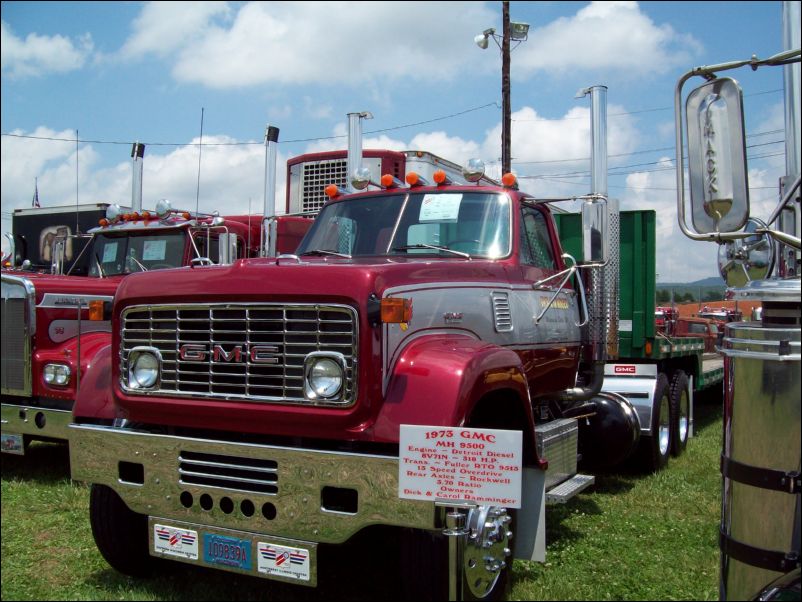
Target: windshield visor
{"x": 433, "y": 223}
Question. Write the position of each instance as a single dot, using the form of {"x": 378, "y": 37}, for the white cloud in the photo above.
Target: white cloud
{"x": 303, "y": 42}
{"x": 38, "y": 55}
{"x": 163, "y": 27}
{"x": 605, "y": 35}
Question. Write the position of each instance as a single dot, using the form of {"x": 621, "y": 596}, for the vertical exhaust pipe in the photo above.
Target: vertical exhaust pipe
{"x": 137, "y": 154}
{"x": 603, "y": 285}
{"x": 601, "y": 282}
{"x": 269, "y": 209}
{"x": 354, "y": 145}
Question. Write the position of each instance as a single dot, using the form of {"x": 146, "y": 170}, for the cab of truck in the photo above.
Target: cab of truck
{"x": 699, "y": 327}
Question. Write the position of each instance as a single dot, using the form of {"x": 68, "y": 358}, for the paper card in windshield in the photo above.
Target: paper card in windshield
{"x": 440, "y": 208}
{"x": 154, "y": 250}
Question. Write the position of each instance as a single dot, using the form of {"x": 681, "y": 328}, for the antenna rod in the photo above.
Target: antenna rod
{"x": 77, "y": 219}
{"x": 200, "y": 150}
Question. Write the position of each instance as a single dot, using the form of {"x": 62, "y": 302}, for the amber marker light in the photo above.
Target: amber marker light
{"x": 103, "y": 222}
{"x": 396, "y": 310}
{"x": 440, "y": 178}
{"x": 412, "y": 178}
{"x": 387, "y": 181}
{"x": 509, "y": 180}
{"x": 648, "y": 348}
{"x": 331, "y": 190}
{"x": 96, "y": 311}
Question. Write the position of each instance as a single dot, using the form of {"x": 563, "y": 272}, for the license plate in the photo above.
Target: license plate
{"x": 13, "y": 444}
{"x": 228, "y": 551}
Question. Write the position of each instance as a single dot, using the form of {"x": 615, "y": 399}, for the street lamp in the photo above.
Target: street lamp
{"x": 517, "y": 32}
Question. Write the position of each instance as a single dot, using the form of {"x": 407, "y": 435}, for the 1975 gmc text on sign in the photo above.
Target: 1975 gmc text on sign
{"x": 460, "y": 464}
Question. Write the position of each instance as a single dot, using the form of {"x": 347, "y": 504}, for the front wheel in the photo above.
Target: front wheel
{"x": 680, "y": 412}
{"x": 655, "y": 449}
{"x": 121, "y": 535}
{"x": 486, "y": 563}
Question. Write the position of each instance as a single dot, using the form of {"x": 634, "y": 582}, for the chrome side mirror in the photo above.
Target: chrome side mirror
{"x": 717, "y": 157}
{"x": 595, "y": 231}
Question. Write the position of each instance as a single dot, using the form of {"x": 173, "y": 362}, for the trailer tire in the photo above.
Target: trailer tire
{"x": 656, "y": 448}
{"x": 424, "y": 566}
{"x": 680, "y": 412}
{"x": 120, "y": 534}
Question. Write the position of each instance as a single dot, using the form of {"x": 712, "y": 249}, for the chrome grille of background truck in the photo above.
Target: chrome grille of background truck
{"x": 248, "y": 352}
{"x": 18, "y": 319}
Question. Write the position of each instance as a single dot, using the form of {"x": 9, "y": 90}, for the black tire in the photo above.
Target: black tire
{"x": 656, "y": 448}
{"x": 121, "y": 535}
{"x": 680, "y": 412}
{"x": 424, "y": 567}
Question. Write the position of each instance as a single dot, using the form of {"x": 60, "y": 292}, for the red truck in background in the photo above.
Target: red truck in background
{"x": 54, "y": 324}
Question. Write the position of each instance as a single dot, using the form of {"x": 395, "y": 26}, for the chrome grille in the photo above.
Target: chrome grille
{"x": 18, "y": 315}
{"x": 252, "y": 352}
{"x": 316, "y": 176}
{"x": 229, "y": 472}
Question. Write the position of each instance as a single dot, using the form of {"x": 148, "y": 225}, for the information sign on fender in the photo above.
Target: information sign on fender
{"x": 460, "y": 465}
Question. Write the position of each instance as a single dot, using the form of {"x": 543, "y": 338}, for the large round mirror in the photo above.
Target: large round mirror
{"x": 745, "y": 259}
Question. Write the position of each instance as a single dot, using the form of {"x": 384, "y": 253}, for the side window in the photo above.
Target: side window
{"x": 536, "y": 247}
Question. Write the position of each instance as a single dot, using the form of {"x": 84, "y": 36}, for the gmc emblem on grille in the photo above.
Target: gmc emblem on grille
{"x": 257, "y": 354}
{"x": 626, "y": 370}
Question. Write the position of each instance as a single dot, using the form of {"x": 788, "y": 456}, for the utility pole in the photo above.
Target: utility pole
{"x": 505, "y": 90}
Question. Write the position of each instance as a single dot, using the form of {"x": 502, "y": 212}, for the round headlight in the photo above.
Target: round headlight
{"x": 144, "y": 371}
{"x": 56, "y": 374}
{"x": 325, "y": 377}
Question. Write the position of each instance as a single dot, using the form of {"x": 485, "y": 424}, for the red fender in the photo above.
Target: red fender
{"x": 439, "y": 379}
{"x": 96, "y": 396}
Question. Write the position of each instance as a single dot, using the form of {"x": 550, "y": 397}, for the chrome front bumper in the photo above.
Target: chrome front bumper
{"x": 259, "y": 489}
{"x": 35, "y": 421}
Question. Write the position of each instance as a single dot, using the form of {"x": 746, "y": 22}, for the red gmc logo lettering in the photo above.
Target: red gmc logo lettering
{"x": 258, "y": 354}
{"x": 625, "y": 369}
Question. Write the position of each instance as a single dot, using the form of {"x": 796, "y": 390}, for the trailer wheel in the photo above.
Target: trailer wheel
{"x": 487, "y": 564}
{"x": 656, "y": 448}
{"x": 680, "y": 412}
{"x": 121, "y": 535}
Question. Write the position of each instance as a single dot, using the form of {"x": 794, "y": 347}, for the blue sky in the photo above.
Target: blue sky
{"x": 123, "y": 71}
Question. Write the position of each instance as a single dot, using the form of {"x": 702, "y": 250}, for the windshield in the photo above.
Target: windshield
{"x": 469, "y": 224}
{"x": 112, "y": 255}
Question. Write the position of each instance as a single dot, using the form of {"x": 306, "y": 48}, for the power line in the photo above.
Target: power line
{"x": 390, "y": 129}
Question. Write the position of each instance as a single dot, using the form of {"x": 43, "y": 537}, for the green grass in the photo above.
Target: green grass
{"x": 631, "y": 537}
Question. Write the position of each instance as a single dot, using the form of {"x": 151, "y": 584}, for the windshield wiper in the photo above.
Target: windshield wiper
{"x": 433, "y": 247}
{"x": 326, "y": 252}
{"x": 99, "y": 266}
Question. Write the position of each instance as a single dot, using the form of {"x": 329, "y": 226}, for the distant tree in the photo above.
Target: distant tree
{"x": 663, "y": 296}
{"x": 712, "y": 295}
{"x": 686, "y": 298}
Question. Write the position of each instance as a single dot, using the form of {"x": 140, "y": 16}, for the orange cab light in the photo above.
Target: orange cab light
{"x": 396, "y": 310}
{"x": 146, "y": 215}
{"x": 440, "y": 177}
{"x": 134, "y": 216}
{"x": 412, "y": 178}
{"x": 103, "y": 222}
{"x": 96, "y": 310}
{"x": 331, "y": 190}
{"x": 388, "y": 181}
{"x": 509, "y": 180}
{"x": 186, "y": 215}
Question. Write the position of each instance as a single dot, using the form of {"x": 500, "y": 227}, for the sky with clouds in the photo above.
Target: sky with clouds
{"x": 111, "y": 73}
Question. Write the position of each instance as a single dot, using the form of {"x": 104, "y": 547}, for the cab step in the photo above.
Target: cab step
{"x": 568, "y": 489}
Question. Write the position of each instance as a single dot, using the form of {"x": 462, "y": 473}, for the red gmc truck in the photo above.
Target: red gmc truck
{"x": 419, "y": 363}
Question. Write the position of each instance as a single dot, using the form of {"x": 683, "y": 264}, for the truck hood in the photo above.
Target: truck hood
{"x": 324, "y": 280}
{"x": 69, "y": 287}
